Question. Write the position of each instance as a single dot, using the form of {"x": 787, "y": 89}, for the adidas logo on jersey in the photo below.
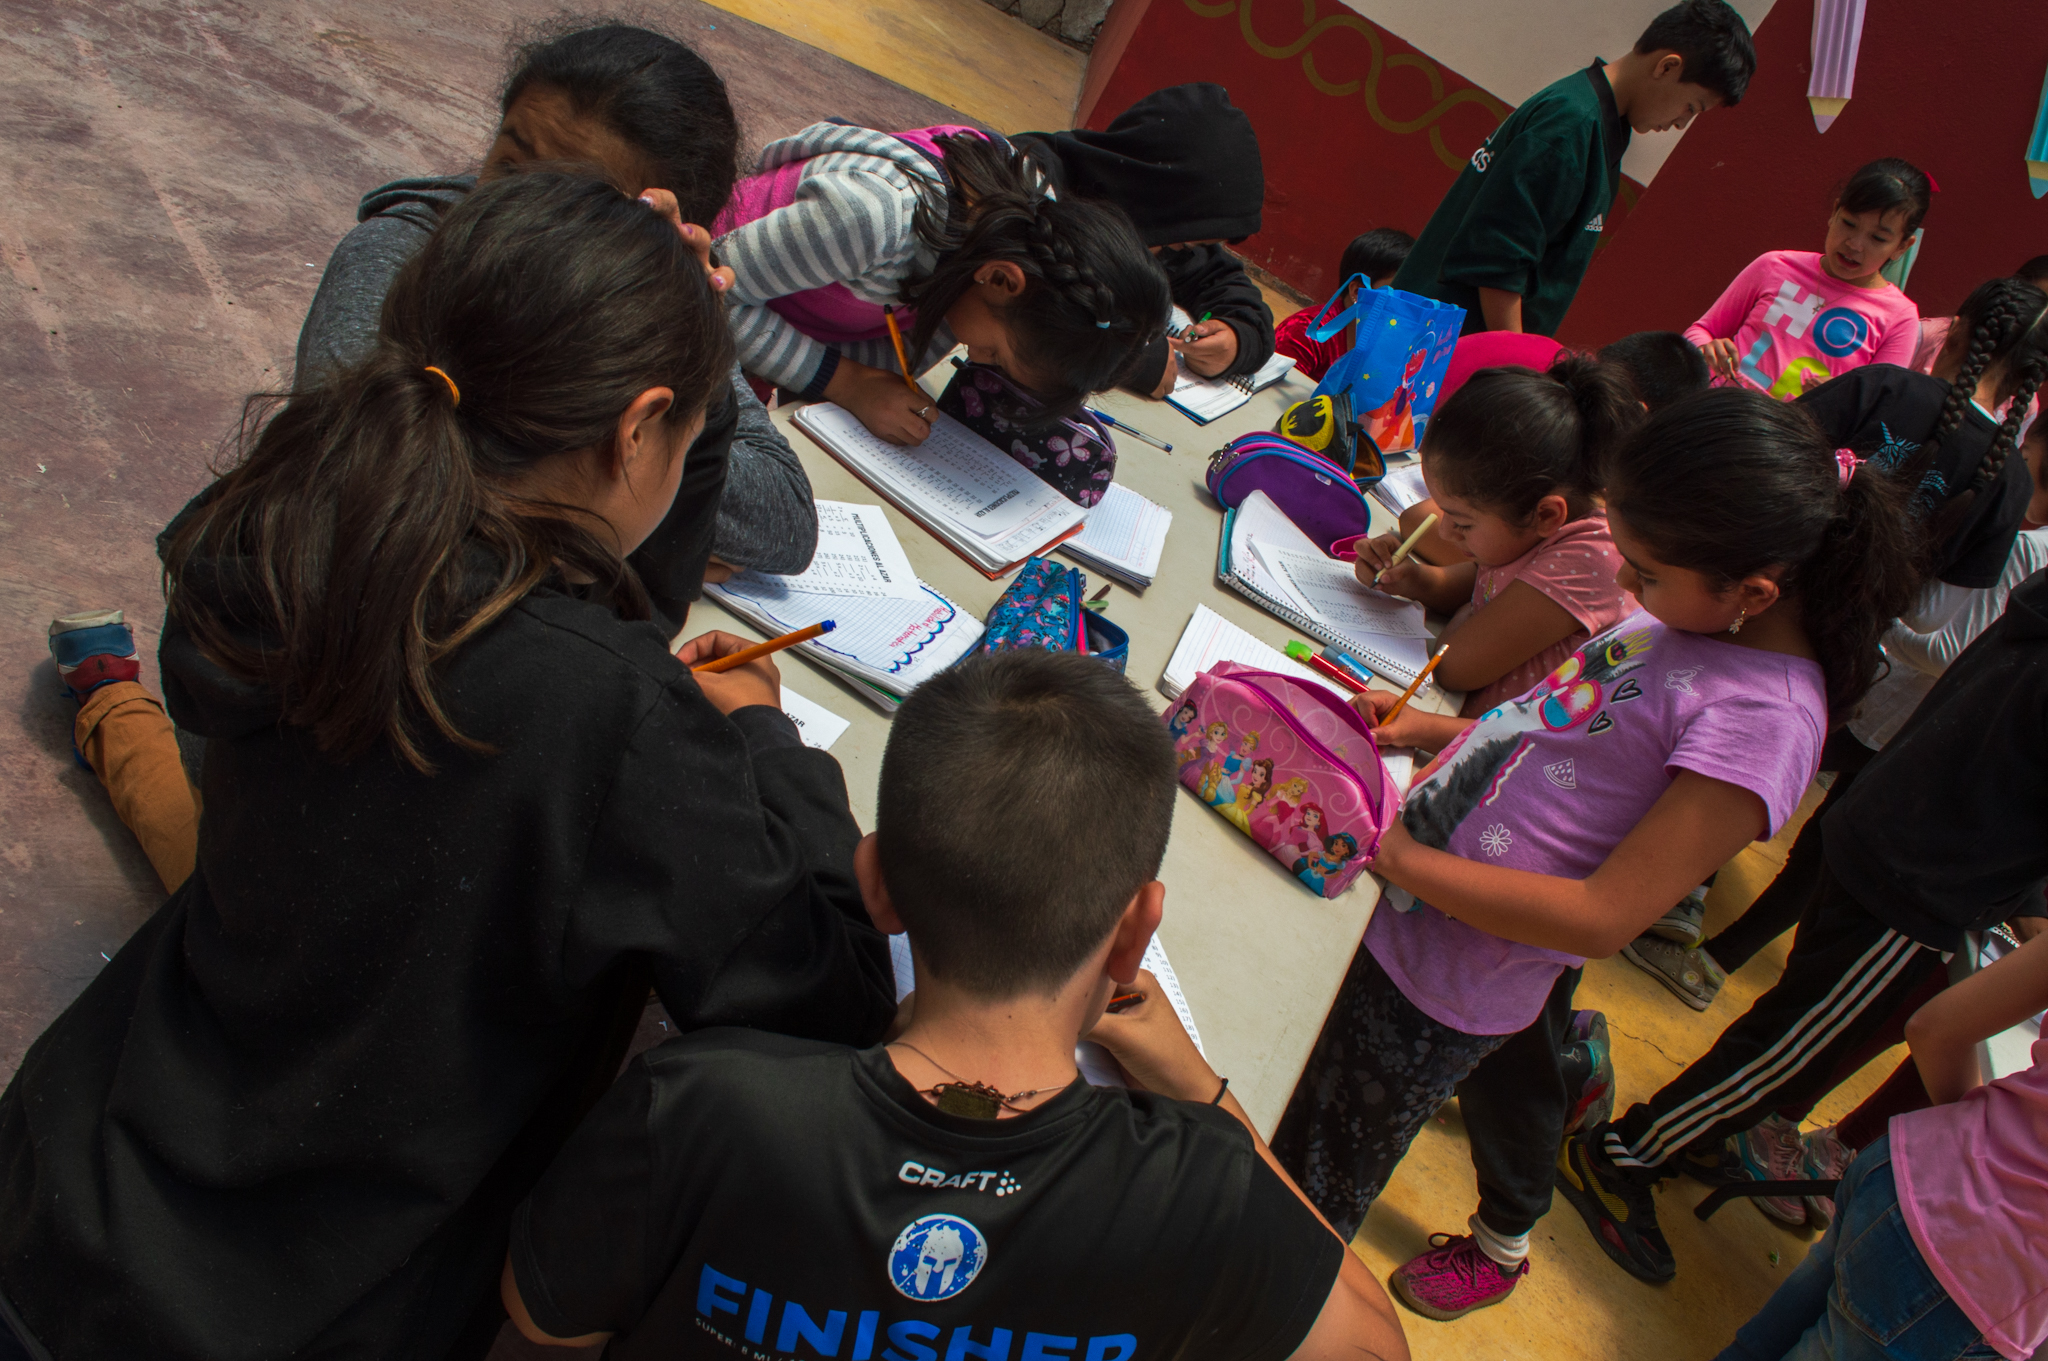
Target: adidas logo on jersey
{"x": 1598, "y": 224}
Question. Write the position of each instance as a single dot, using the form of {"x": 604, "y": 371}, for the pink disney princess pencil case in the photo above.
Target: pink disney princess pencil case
{"x": 1289, "y": 765}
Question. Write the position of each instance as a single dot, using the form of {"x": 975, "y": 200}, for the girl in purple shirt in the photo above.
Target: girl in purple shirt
{"x": 1557, "y": 825}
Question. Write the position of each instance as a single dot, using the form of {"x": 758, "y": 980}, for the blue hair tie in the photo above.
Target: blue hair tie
{"x": 1102, "y": 326}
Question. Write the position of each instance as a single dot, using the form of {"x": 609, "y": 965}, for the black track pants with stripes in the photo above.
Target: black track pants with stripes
{"x": 1845, "y": 975}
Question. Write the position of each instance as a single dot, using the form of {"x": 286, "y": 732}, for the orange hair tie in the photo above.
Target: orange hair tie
{"x": 453, "y": 391}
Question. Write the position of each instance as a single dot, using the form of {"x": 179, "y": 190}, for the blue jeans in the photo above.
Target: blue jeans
{"x": 1864, "y": 1293}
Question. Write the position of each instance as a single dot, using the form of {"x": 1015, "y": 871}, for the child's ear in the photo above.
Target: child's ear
{"x": 640, "y": 431}
{"x": 1553, "y": 512}
{"x": 1134, "y": 932}
{"x": 1759, "y": 591}
{"x": 1670, "y": 66}
{"x": 1003, "y": 276}
{"x": 867, "y": 871}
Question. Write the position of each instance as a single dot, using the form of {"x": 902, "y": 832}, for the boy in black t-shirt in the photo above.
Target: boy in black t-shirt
{"x": 959, "y": 1194}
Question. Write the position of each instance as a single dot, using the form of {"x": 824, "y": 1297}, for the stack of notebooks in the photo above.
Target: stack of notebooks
{"x": 973, "y": 497}
{"x": 1266, "y": 558}
{"x": 1122, "y": 537}
{"x": 892, "y": 632}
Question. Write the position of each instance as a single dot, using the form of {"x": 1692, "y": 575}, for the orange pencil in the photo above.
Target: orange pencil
{"x": 748, "y": 654}
{"x": 1409, "y": 693}
{"x": 902, "y": 356}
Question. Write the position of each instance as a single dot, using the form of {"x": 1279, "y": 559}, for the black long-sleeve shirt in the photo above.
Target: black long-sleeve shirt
{"x": 295, "y": 1112}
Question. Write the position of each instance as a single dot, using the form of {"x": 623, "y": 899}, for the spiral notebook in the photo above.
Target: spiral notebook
{"x": 1267, "y": 559}
{"x": 1202, "y": 400}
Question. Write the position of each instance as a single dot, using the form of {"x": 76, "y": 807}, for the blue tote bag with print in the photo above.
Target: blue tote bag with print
{"x": 1396, "y": 364}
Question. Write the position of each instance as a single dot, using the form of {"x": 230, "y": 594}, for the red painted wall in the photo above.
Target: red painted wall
{"x": 1951, "y": 88}
{"x": 1357, "y": 128}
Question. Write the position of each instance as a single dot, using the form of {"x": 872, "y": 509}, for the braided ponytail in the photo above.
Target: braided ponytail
{"x": 1094, "y": 299}
{"x": 2007, "y": 326}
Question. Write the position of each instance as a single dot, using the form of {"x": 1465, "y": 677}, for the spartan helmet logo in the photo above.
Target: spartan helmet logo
{"x": 941, "y": 1255}
{"x": 936, "y": 1257}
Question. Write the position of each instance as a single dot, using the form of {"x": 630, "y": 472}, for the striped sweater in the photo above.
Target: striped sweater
{"x": 850, "y": 224}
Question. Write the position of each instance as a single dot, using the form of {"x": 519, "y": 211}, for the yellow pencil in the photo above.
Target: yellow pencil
{"x": 748, "y": 654}
{"x": 902, "y": 356}
{"x": 1406, "y": 544}
{"x": 1409, "y": 693}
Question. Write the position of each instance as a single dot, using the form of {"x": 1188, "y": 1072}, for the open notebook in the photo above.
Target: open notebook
{"x": 1401, "y": 488}
{"x": 892, "y": 632}
{"x": 1266, "y": 558}
{"x": 1092, "y": 1059}
{"x": 1122, "y": 537}
{"x": 1202, "y": 400}
{"x": 973, "y": 497}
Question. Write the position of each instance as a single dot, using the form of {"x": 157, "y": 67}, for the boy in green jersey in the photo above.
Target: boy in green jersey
{"x": 1512, "y": 238}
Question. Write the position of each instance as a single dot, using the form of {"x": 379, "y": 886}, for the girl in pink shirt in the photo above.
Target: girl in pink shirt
{"x": 1794, "y": 319}
{"x": 1512, "y": 463}
{"x": 1935, "y": 1249}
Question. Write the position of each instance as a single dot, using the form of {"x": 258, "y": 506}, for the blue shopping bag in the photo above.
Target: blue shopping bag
{"x": 1394, "y": 370}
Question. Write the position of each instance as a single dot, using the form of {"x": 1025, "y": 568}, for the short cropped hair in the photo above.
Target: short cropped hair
{"x": 1376, "y": 253}
{"x": 1713, "y": 41}
{"x": 1661, "y": 366}
{"x": 1025, "y": 797}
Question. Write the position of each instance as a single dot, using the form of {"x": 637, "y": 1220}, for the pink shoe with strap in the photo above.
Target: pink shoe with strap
{"x": 1453, "y": 1278}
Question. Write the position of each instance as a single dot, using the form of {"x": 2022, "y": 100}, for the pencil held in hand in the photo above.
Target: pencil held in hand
{"x": 1406, "y": 544}
{"x": 1409, "y": 693}
{"x": 902, "y": 355}
{"x": 773, "y": 645}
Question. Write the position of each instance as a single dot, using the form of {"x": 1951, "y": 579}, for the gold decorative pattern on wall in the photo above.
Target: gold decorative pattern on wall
{"x": 1368, "y": 84}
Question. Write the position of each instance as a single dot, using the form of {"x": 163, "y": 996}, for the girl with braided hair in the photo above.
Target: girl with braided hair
{"x": 1940, "y": 435}
{"x": 959, "y": 232}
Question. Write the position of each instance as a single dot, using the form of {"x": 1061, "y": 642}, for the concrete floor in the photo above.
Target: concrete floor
{"x": 175, "y": 176}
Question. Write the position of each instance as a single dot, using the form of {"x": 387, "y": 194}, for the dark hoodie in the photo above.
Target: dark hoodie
{"x": 1184, "y": 163}
{"x": 1946, "y": 830}
{"x": 292, "y": 1117}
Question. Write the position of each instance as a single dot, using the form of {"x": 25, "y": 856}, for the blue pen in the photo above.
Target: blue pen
{"x": 1349, "y": 663}
{"x": 1110, "y": 420}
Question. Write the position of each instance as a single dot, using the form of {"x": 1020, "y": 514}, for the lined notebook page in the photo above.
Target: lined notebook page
{"x": 1124, "y": 531}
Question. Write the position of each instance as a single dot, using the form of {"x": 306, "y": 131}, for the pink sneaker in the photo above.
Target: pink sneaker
{"x": 1771, "y": 1151}
{"x": 1453, "y": 1278}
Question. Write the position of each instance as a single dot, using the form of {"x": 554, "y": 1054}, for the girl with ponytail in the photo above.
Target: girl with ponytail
{"x": 1512, "y": 459}
{"x": 952, "y": 224}
{"x": 1560, "y": 823}
{"x": 462, "y": 807}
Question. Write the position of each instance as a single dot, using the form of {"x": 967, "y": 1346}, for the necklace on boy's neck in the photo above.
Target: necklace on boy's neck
{"x": 975, "y": 1100}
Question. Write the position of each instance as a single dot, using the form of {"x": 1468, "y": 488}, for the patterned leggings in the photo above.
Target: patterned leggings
{"x": 1378, "y": 1072}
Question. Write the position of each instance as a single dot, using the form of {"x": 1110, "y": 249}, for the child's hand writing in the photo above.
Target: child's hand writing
{"x": 757, "y": 682}
{"x": 1412, "y": 727}
{"x": 1409, "y": 578}
{"x": 1153, "y": 1047}
{"x": 882, "y": 402}
{"x": 1210, "y": 347}
{"x": 699, "y": 240}
{"x": 1722, "y": 357}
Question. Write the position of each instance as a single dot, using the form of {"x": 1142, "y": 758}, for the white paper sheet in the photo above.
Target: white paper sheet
{"x": 1209, "y": 638}
{"x": 1092, "y": 1059}
{"x": 817, "y": 725}
{"x": 895, "y": 642}
{"x": 858, "y": 555}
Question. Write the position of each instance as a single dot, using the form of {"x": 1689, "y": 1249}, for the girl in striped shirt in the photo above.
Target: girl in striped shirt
{"x": 959, "y": 232}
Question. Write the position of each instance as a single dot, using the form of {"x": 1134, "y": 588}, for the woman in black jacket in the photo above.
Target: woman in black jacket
{"x": 462, "y": 807}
